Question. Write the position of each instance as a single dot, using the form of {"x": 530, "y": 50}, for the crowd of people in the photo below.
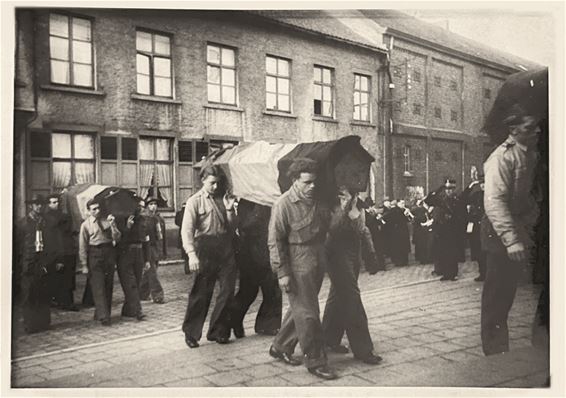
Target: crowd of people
{"x": 288, "y": 249}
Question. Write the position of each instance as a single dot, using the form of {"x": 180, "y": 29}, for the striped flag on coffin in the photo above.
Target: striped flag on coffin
{"x": 257, "y": 171}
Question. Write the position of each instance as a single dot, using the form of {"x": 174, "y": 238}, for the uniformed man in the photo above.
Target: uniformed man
{"x": 37, "y": 258}
{"x": 474, "y": 199}
{"x": 511, "y": 210}
{"x": 208, "y": 231}
{"x": 97, "y": 255}
{"x": 447, "y": 229}
{"x": 297, "y": 231}
{"x": 155, "y": 229}
{"x": 132, "y": 258}
{"x": 59, "y": 229}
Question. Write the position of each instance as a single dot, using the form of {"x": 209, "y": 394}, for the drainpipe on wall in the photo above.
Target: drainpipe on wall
{"x": 389, "y": 183}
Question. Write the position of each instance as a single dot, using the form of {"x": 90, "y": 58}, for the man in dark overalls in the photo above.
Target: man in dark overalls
{"x": 155, "y": 232}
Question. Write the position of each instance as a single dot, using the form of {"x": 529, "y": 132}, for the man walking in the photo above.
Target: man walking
{"x": 297, "y": 231}
{"x": 155, "y": 229}
{"x": 59, "y": 229}
{"x": 132, "y": 257}
{"x": 207, "y": 232}
{"x": 511, "y": 210}
{"x": 97, "y": 239}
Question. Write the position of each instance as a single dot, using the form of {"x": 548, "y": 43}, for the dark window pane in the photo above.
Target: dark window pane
{"x": 185, "y": 151}
{"x": 201, "y": 150}
{"x": 317, "y": 107}
{"x": 108, "y": 147}
{"x": 40, "y": 145}
{"x": 129, "y": 149}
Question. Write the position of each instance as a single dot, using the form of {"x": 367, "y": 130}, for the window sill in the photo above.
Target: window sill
{"x": 152, "y": 98}
{"x": 74, "y": 90}
{"x": 224, "y": 107}
{"x": 281, "y": 114}
{"x": 362, "y": 123}
{"x": 324, "y": 119}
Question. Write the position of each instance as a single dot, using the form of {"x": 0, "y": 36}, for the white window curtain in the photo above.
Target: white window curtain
{"x": 61, "y": 174}
{"x": 146, "y": 174}
{"x": 164, "y": 182}
{"x": 84, "y": 172}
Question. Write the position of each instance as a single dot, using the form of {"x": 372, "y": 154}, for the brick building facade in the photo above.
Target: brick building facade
{"x": 134, "y": 98}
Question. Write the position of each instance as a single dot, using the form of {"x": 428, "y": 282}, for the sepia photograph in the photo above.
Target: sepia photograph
{"x": 203, "y": 199}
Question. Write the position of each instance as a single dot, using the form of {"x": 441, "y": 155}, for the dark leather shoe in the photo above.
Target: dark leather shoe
{"x": 239, "y": 332}
{"x": 106, "y": 322}
{"x": 223, "y": 340}
{"x": 287, "y": 358}
{"x": 70, "y": 307}
{"x": 140, "y": 317}
{"x": 267, "y": 332}
{"x": 324, "y": 372}
{"x": 191, "y": 342}
{"x": 371, "y": 359}
{"x": 479, "y": 279}
{"x": 339, "y": 349}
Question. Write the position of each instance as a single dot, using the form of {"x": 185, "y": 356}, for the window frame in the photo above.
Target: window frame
{"x": 453, "y": 115}
{"x": 360, "y": 91}
{"x": 417, "y": 109}
{"x": 221, "y": 66}
{"x": 155, "y": 162}
{"x": 416, "y": 76}
{"x": 70, "y": 61}
{"x": 277, "y": 76}
{"x": 332, "y": 91}
{"x": 407, "y": 161}
{"x": 437, "y": 81}
{"x": 152, "y": 55}
{"x": 120, "y": 161}
{"x": 438, "y": 115}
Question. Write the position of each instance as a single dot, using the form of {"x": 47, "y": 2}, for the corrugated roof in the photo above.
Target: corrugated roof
{"x": 327, "y": 23}
{"x": 396, "y": 21}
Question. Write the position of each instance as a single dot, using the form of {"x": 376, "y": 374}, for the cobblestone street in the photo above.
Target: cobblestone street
{"x": 426, "y": 330}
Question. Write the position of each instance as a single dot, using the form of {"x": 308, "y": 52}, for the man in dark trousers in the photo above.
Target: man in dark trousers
{"x": 59, "y": 229}
{"x": 512, "y": 210}
{"x": 132, "y": 257}
{"x": 447, "y": 228}
{"x": 208, "y": 231}
{"x": 297, "y": 231}
{"x": 156, "y": 251}
{"x": 348, "y": 239}
{"x": 38, "y": 258}
{"x": 179, "y": 222}
{"x": 396, "y": 224}
{"x": 474, "y": 199}
{"x": 252, "y": 259}
{"x": 97, "y": 255}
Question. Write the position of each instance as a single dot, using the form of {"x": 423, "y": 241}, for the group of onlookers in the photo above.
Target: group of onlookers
{"x": 46, "y": 256}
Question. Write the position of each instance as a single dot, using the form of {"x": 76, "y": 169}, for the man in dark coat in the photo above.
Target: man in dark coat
{"x": 59, "y": 230}
{"x": 421, "y": 233}
{"x": 376, "y": 227}
{"x": 252, "y": 259}
{"x": 447, "y": 228}
{"x": 474, "y": 199}
{"x": 398, "y": 230}
{"x": 155, "y": 229}
{"x": 38, "y": 258}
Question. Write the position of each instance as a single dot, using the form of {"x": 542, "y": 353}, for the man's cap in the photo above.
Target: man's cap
{"x": 36, "y": 199}
{"x": 93, "y": 201}
{"x": 53, "y": 196}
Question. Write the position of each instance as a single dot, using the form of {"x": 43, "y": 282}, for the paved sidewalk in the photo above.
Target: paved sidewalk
{"x": 426, "y": 330}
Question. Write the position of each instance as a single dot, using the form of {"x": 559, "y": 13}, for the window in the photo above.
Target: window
{"x": 454, "y": 156}
{"x": 437, "y": 112}
{"x": 119, "y": 161}
{"x": 153, "y": 64}
{"x": 487, "y": 93}
{"x": 189, "y": 152}
{"x": 156, "y": 170}
{"x": 417, "y": 76}
{"x": 70, "y": 50}
{"x": 63, "y": 158}
{"x": 323, "y": 95}
{"x": 453, "y": 85}
{"x": 418, "y": 154}
{"x": 454, "y": 116}
{"x": 438, "y": 156}
{"x": 221, "y": 74}
{"x": 397, "y": 71}
{"x": 417, "y": 108}
{"x": 437, "y": 81}
{"x": 407, "y": 159}
{"x": 277, "y": 84}
{"x": 362, "y": 89}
